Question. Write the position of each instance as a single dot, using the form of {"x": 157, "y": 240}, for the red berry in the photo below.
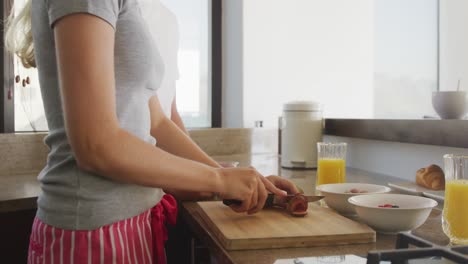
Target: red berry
{"x": 389, "y": 206}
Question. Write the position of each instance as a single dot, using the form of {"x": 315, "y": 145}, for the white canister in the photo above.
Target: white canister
{"x": 301, "y": 128}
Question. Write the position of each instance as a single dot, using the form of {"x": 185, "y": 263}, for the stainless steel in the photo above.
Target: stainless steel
{"x": 315, "y": 198}
{"x": 310, "y": 198}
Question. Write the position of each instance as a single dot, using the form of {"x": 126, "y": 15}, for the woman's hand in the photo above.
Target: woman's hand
{"x": 283, "y": 184}
{"x": 248, "y": 186}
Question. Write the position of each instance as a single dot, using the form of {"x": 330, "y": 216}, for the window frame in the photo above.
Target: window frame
{"x": 216, "y": 62}
{"x": 7, "y": 107}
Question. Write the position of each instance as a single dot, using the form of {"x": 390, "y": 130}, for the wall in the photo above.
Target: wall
{"x": 453, "y": 44}
{"x": 301, "y": 49}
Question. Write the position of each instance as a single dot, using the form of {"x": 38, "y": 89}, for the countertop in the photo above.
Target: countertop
{"x": 268, "y": 164}
{"x": 19, "y": 191}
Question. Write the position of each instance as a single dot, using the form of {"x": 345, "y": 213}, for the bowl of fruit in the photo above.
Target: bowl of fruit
{"x": 337, "y": 194}
{"x": 392, "y": 213}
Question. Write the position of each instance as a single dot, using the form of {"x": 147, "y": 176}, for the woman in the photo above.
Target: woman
{"x": 102, "y": 201}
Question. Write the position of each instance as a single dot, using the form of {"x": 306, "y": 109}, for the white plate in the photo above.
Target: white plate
{"x": 408, "y": 187}
{"x": 414, "y": 189}
{"x": 437, "y": 195}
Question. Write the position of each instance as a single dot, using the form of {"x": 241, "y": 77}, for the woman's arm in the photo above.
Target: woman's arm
{"x": 85, "y": 60}
{"x": 172, "y": 137}
{"x": 175, "y": 116}
{"x": 169, "y": 133}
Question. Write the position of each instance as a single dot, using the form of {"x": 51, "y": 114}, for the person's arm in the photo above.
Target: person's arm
{"x": 171, "y": 132}
{"x": 85, "y": 60}
{"x": 201, "y": 156}
{"x": 175, "y": 116}
{"x": 174, "y": 139}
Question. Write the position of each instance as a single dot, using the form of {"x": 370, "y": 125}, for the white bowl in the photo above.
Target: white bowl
{"x": 336, "y": 194}
{"x": 450, "y": 104}
{"x": 412, "y": 212}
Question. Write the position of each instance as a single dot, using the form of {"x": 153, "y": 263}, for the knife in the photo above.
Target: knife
{"x": 273, "y": 200}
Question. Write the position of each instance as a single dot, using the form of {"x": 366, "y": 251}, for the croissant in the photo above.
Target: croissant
{"x": 431, "y": 177}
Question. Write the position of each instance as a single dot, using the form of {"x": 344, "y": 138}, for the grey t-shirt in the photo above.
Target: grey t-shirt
{"x": 72, "y": 198}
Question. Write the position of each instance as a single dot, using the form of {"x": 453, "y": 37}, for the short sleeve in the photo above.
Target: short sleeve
{"x": 107, "y": 10}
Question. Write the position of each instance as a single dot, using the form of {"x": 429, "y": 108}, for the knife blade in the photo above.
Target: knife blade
{"x": 279, "y": 199}
{"x": 273, "y": 199}
{"x": 312, "y": 198}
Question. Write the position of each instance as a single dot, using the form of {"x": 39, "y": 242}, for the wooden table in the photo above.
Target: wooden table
{"x": 267, "y": 165}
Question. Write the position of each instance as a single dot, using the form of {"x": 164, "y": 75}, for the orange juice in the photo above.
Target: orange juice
{"x": 331, "y": 171}
{"x": 455, "y": 222}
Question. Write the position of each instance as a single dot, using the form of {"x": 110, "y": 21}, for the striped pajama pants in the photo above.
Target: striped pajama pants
{"x": 129, "y": 241}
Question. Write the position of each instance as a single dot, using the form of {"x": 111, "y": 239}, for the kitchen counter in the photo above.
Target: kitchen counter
{"x": 19, "y": 191}
{"x": 22, "y": 156}
{"x": 267, "y": 164}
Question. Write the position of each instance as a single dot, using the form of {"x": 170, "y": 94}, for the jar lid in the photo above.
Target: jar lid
{"x": 302, "y": 106}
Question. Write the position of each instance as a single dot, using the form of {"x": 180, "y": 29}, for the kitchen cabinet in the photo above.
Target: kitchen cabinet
{"x": 15, "y": 228}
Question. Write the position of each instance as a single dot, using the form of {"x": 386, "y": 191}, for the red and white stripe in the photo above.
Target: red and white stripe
{"x": 125, "y": 242}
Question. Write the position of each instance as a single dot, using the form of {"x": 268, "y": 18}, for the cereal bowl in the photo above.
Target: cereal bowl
{"x": 392, "y": 213}
{"x": 337, "y": 194}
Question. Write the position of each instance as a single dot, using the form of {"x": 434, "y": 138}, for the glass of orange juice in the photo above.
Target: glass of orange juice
{"x": 331, "y": 163}
{"x": 455, "y": 215}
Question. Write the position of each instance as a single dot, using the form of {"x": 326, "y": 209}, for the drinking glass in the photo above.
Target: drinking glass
{"x": 455, "y": 215}
{"x": 331, "y": 163}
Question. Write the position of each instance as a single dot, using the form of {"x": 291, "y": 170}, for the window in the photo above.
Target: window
{"x": 194, "y": 60}
{"x": 29, "y": 109}
{"x": 360, "y": 58}
{"x": 406, "y": 58}
{"x": 198, "y": 87}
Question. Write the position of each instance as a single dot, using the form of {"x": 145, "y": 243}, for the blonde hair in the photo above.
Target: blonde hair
{"x": 18, "y": 39}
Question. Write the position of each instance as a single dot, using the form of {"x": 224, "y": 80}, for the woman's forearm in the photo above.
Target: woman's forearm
{"x": 173, "y": 140}
{"x": 126, "y": 158}
{"x": 176, "y": 118}
{"x": 165, "y": 141}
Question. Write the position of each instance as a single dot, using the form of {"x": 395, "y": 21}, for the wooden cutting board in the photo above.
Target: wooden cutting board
{"x": 275, "y": 228}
